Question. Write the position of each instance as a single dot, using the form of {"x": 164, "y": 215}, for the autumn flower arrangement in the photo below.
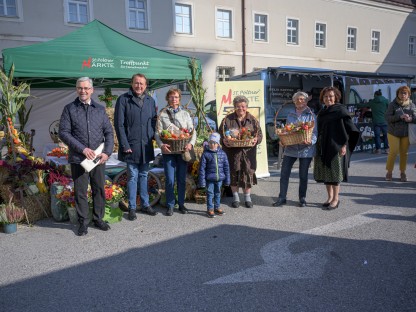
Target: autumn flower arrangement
{"x": 59, "y": 152}
{"x": 113, "y": 192}
{"x": 66, "y": 197}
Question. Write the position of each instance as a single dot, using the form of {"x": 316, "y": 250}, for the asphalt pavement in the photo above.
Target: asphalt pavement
{"x": 359, "y": 257}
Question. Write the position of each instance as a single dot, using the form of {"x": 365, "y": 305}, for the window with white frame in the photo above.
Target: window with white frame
{"x": 224, "y": 73}
{"x": 183, "y": 18}
{"x": 292, "y": 30}
{"x": 8, "y": 8}
{"x": 320, "y": 35}
{"x": 412, "y": 45}
{"x": 260, "y": 27}
{"x": 375, "y": 41}
{"x": 78, "y": 11}
{"x": 352, "y": 38}
{"x": 224, "y": 23}
{"x": 184, "y": 88}
{"x": 138, "y": 14}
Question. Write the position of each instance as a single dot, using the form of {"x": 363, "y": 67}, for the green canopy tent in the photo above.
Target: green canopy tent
{"x": 96, "y": 51}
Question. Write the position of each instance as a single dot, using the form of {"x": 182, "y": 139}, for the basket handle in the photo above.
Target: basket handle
{"x": 206, "y": 121}
{"x": 203, "y": 115}
{"x": 170, "y": 116}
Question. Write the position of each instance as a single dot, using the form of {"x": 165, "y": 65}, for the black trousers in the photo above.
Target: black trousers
{"x": 81, "y": 178}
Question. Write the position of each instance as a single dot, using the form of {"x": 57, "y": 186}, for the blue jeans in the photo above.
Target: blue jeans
{"x": 174, "y": 165}
{"x": 213, "y": 194}
{"x": 287, "y": 165}
{"x": 380, "y": 128}
{"x": 137, "y": 173}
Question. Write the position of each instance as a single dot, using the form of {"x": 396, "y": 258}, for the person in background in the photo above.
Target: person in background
{"x": 243, "y": 162}
{"x": 378, "y": 107}
{"x": 134, "y": 121}
{"x": 337, "y": 138}
{"x": 214, "y": 170}
{"x": 173, "y": 163}
{"x": 400, "y": 112}
{"x": 302, "y": 152}
{"x": 83, "y": 126}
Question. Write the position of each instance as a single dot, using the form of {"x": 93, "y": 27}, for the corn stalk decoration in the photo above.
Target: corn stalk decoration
{"x": 12, "y": 99}
{"x": 197, "y": 90}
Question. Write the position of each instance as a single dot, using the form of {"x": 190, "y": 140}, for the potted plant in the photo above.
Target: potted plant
{"x": 66, "y": 203}
{"x": 113, "y": 195}
{"x": 10, "y": 215}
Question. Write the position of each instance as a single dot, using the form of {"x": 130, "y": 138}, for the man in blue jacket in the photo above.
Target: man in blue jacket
{"x": 84, "y": 125}
{"x": 134, "y": 122}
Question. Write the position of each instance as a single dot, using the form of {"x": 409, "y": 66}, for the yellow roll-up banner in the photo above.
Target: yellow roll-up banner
{"x": 254, "y": 92}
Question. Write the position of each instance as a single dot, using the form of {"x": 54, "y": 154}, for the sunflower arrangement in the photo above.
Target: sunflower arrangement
{"x": 193, "y": 169}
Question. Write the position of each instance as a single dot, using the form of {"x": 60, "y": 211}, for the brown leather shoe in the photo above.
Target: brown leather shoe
{"x": 403, "y": 177}
{"x": 389, "y": 176}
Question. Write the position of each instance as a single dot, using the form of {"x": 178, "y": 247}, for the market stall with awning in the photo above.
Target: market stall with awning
{"x": 96, "y": 51}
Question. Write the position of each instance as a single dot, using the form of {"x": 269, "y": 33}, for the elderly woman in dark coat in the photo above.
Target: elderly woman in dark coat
{"x": 337, "y": 138}
{"x": 242, "y": 160}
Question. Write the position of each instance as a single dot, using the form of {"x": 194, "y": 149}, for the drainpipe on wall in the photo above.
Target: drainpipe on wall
{"x": 243, "y": 39}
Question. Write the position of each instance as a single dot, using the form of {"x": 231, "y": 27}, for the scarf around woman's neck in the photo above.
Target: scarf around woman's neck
{"x": 403, "y": 103}
{"x": 330, "y": 113}
{"x": 174, "y": 110}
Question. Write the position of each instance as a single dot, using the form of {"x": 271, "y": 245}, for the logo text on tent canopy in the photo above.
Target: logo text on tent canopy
{"x": 100, "y": 62}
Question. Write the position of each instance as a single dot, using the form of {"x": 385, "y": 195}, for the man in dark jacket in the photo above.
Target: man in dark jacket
{"x": 135, "y": 121}
{"x": 84, "y": 125}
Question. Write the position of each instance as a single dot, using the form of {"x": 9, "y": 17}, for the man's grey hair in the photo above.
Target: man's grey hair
{"x": 299, "y": 94}
{"x": 82, "y": 79}
{"x": 239, "y": 99}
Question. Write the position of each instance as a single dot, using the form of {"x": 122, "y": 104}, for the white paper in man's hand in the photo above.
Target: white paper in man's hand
{"x": 89, "y": 164}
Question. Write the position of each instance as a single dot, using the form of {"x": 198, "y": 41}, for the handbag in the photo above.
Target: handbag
{"x": 189, "y": 156}
{"x": 412, "y": 133}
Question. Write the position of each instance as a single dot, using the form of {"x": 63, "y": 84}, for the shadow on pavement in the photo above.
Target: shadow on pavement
{"x": 208, "y": 271}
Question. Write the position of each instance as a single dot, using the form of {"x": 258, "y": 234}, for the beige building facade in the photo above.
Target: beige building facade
{"x": 232, "y": 37}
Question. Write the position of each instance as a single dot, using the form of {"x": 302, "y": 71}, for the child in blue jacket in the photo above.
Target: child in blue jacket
{"x": 214, "y": 170}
